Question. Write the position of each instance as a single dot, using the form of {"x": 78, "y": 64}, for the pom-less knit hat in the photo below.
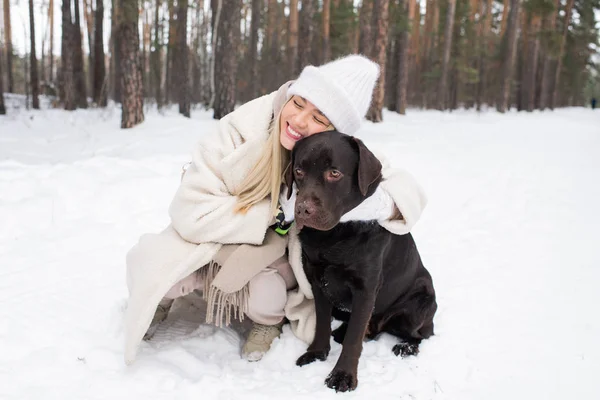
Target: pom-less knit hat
{"x": 341, "y": 89}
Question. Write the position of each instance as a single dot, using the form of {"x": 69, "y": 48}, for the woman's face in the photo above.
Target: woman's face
{"x": 299, "y": 119}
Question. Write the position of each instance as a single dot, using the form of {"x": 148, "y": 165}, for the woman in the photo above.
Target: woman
{"x": 231, "y": 234}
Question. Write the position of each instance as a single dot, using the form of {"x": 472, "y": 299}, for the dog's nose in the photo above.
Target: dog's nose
{"x": 305, "y": 208}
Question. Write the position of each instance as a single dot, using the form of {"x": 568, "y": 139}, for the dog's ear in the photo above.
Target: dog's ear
{"x": 288, "y": 176}
{"x": 369, "y": 167}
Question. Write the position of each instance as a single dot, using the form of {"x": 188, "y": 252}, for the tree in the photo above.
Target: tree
{"x": 35, "y": 86}
{"x": 326, "y": 24}
{"x": 8, "y": 45}
{"x": 305, "y": 45}
{"x": 78, "y": 73}
{"x": 228, "y": 35}
{"x": 181, "y": 59}
{"x": 99, "y": 66}
{"x": 365, "y": 41}
{"x": 51, "y": 17}
{"x": 528, "y": 82}
{"x": 403, "y": 66}
{"x": 88, "y": 13}
{"x": 155, "y": 56}
{"x": 547, "y": 58}
{"x": 67, "y": 56}
{"x": 115, "y": 62}
{"x": 253, "y": 49}
{"x": 510, "y": 47}
{"x": 380, "y": 11}
{"x": 130, "y": 65}
{"x": 442, "y": 88}
{"x": 561, "y": 52}
{"x": 484, "y": 52}
{"x": 2, "y": 107}
{"x": 293, "y": 40}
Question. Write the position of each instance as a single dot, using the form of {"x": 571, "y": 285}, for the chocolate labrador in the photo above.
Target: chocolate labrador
{"x": 372, "y": 280}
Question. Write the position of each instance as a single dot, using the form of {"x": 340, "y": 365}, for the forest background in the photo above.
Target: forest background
{"x": 434, "y": 54}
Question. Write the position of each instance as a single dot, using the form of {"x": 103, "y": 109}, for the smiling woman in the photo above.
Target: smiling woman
{"x": 231, "y": 233}
{"x": 299, "y": 119}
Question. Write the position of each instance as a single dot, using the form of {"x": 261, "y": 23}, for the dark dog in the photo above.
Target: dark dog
{"x": 360, "y": 273}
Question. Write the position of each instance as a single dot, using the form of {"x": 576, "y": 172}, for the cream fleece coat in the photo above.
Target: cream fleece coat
{"x": 202, "y": 221}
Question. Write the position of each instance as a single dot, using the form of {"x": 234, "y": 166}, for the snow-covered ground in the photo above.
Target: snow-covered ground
{"x": 510, "y": 236}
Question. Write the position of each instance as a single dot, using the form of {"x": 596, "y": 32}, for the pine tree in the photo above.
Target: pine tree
{"x": 67, "y": 82}
{"x": 305, "y": 44}
{"x": 99, "y": 88}
{"x": 510, "y": 46}
{"x": 35, "y": 86}
{"x": 130, "y": 65}
{"x": 2, "y": 107}
{"x": 8, "y": 45}
{"x": 442, "y": 88}
{"x": 381, "y": 14}
{"x": 181, "y": 59}
{"x": 228, "y": 36}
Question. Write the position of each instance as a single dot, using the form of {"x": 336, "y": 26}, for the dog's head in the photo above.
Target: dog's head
{"x": 334, "y": 173}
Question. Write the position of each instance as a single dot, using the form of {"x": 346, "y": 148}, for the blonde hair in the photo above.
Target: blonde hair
{"x": 267, "y": 174}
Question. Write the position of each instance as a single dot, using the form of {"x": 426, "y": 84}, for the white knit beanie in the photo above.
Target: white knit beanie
{"x": 341, "y": 89}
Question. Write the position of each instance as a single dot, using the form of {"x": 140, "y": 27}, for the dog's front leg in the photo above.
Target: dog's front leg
{"x": 343, "y": 376}
{"x": 319, "y": 348}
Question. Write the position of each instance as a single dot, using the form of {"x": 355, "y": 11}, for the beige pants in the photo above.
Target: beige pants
{"x": 267, "y": 291}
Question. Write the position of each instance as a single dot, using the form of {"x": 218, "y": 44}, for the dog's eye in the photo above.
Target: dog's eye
{"x": 334, "y": 175}
{"x": 299, "y": 172}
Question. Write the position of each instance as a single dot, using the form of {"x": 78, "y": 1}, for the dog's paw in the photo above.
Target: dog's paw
{"x": 406, "y": 349}
{"x": 340, "y": 333}
{"x": 341, "y": 381}
{"x": 311, "y": 356}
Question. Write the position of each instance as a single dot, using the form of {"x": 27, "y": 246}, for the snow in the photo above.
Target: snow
{"x": 509, "y": 236}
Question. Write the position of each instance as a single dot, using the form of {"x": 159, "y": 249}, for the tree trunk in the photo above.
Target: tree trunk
{"x": 293, "y": 40}
{"x": 509, "y": 55}
{"x": 427, "y": 54}
{"x": 561, "y": 53}
{"x": 403, "y": 64}
{"x": 78, "y": 71}
{"x": 326, "y": 26}
{"x": 548, "y": 61}
{"x": 484, "y": 53}
{"x": 88, "y": 13}
{"x": 8, "y": 45}
{"x": 155, "y": 57}
{"x": 531, "y": 58}
{"x": 51, "y": 16}
{"x": 365, "y": 42}
{"x": 2, "y": 107}
{"x": 130, "y": 65}
{"x": 381, "y": 14}
{"x": 116, "y": 51}
{"x": 225, "y": 58}
{"x": 67, "y": 55}
{"x": 170, "y": 84}
{"x": 35, "y": 86}
{"x": 305, "y": 44}
{"x": 100, "y": 89}
{"x": 270, "y": 76}
{"x": 442, "y": 88}
{"x": 181, "y": 59}
{"x": 254, "y": 87}
{"x": 414, "y": 51}
{"x": 503, "y": 21}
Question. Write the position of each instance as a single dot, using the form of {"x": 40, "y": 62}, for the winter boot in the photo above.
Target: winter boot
{"x": 259, "y": 340}
{"x": 159, "y": 316}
